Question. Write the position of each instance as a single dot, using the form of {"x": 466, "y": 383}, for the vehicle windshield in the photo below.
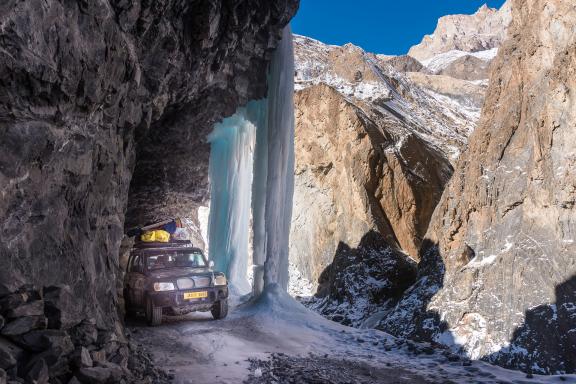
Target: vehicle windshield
{"x": 176, "y": 260}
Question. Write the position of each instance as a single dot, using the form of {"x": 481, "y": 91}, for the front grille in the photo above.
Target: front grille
{"x": 185, "y": 283}
{"x": 201, "y": 281}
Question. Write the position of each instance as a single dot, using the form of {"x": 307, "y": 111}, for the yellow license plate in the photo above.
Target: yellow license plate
{"x": 195, "y": 295}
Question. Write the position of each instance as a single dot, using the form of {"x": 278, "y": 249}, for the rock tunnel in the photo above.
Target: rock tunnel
{"x": 244, "y": 167}
{"x": 105, "y": 126}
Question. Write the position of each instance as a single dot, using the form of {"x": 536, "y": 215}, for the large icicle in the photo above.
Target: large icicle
{"x": 274, "y": 172}
{"x": 231, "y": 165}
{"x": 233, "y": 158}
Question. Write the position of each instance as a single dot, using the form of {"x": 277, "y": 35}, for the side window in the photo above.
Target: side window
{"x": 136, "y": 264}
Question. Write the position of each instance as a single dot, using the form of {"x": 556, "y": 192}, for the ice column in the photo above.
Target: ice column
{"x": 258, "y": 140}
{"x": 273, "y": 186}
{"x": 231, "y": 166}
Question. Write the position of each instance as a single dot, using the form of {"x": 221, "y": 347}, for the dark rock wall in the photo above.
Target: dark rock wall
{"x": 83, "y": 84}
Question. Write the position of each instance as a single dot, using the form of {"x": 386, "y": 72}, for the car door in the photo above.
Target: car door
{"x": 138, "y": 281}
{"x": 134, "y": 280}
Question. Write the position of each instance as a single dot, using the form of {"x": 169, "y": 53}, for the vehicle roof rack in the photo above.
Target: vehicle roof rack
{"x": 170, "y": 244}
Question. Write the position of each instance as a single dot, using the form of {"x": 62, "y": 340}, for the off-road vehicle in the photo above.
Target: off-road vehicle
{"x": 173, "y": 279}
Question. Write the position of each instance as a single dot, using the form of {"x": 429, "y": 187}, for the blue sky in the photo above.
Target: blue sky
{"x": 379, "y": 26}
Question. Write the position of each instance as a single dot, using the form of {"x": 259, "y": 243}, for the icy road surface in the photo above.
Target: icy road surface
{"x": 197, "y": 349}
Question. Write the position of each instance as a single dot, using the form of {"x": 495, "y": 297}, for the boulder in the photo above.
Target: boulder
{"x": 12, "y": 301}
{"x": 30, "y": 292}
{"x": 41, "y": 340}
{"x": 116, "y": 371}
{"x": 120, "y": 357}
{"x": 95, "y": 375}
{"x": 23, "y": 325}
{"x": 81, "y": 358}
{"x": 98, "y": 356}
{"x": 9, "y": 354}
{"x": 84, "y": 333}
{"x": 56, "y": 359}
{"x": 4, "y": 290}
{"x": 62, "y": 307}
{"x": 33, "y": 308}
{"x": 38, "y": 373}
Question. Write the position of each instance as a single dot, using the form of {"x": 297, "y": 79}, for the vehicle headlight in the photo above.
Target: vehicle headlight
{"x": 160, "y": 286}
{"x": 220, "y": 280}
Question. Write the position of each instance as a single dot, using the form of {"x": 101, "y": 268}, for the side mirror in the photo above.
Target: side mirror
{"x": 211, "y": 264}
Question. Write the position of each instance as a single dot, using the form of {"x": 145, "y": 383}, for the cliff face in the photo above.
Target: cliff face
{"x": 500, "y": 271}
{"x": 352, "y": 177}
{"x": 90, "y": 91}
{"x": 372, "y": 154}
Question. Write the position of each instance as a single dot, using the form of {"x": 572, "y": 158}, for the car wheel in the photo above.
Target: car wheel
{"x": 153, "y": 313}
{"x": 220, "y": 309}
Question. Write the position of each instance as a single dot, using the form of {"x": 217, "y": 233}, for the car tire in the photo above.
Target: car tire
{"x": 220, "y": 309}
{"x": 153, "y": 313}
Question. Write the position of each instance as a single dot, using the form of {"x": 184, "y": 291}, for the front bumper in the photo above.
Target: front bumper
{"x": 176, "y": 299}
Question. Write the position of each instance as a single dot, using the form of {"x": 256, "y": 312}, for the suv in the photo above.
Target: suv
{"x": 168, "y": 278}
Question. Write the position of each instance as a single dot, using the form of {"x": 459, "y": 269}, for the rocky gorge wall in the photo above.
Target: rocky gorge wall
{"x": 92, "y": 91}
{"x": 374, "y": 150}
{"x": 497, "y": 277}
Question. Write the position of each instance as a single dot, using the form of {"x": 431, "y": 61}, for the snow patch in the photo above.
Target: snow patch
{"x": 441, "y": 61}
{"x": 476, "y": 263}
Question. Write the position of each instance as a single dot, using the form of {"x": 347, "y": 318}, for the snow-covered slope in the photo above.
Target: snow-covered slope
{"x": 438, "y": 62}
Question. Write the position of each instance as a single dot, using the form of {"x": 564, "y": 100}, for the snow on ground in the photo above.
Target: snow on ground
{"x": 299, "y": 286}
{"x": 197, "y": 349}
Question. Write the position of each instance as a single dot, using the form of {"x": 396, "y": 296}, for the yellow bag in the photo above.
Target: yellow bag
{"x": 158, "y": 236}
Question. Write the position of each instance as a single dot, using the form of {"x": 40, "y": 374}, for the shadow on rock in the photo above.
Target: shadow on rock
{"x": 546, "y": 342}
{"x": 410, "y": 317}
{"x": 362, "y": 281}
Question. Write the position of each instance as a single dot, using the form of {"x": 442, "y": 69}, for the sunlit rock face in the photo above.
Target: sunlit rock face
{"x": 500, "y": 276}
{"x": 93, "y": 89}
{"x": 353, "y": 177}
{"x": 456, "y": 58}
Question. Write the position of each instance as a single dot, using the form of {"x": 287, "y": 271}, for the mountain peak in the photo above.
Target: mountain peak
{"x": 484, "y": 30}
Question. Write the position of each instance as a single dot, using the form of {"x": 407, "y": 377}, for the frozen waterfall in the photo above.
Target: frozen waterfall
{"x": 274, "y": 172}
{"x": 252, "y": 165}
{"x": 231, "y": 162}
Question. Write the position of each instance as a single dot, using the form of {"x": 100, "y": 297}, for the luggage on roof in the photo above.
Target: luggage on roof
{"x": 172, "y": 243}
{"x": 156, "y": 236}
